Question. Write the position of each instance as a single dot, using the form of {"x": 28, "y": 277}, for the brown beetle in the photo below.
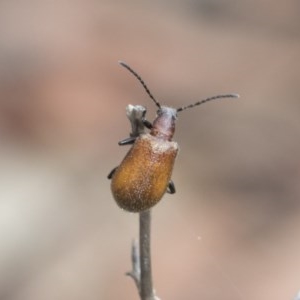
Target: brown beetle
{"x": 144, "y": 175}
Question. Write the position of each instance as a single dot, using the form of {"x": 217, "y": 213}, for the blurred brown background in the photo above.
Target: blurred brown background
{"x": 232, "y": 229}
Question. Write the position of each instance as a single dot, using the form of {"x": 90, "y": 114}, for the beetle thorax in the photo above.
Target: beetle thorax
{"x": 164, "y": 124}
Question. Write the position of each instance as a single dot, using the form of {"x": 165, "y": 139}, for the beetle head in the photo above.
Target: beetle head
{"x": 164, "y": 124}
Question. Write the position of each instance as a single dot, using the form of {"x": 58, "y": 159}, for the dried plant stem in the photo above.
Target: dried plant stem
{"x": 146, "y": 288}
{"x": 141, "y": 255}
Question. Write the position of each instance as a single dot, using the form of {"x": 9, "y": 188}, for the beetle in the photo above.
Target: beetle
{"x": 144, "y": 175}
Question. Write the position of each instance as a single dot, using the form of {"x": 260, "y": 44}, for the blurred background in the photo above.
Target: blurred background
{"x": 232, "y": 229}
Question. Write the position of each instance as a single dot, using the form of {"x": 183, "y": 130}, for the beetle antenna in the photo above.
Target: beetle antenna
{"x": 141, "y": 81}
{"x": 208, "y": 99}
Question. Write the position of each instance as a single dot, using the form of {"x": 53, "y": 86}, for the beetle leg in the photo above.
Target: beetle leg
{"x": 127, "y": 141}
{"x": 131, "y": 140}
{"x": 147, "y": 123}
{"x": 171, "y": 188}
{"x": 111, "y": 173}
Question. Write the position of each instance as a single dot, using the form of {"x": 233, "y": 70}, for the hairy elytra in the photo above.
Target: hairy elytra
{"x": 144, "y": 175}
